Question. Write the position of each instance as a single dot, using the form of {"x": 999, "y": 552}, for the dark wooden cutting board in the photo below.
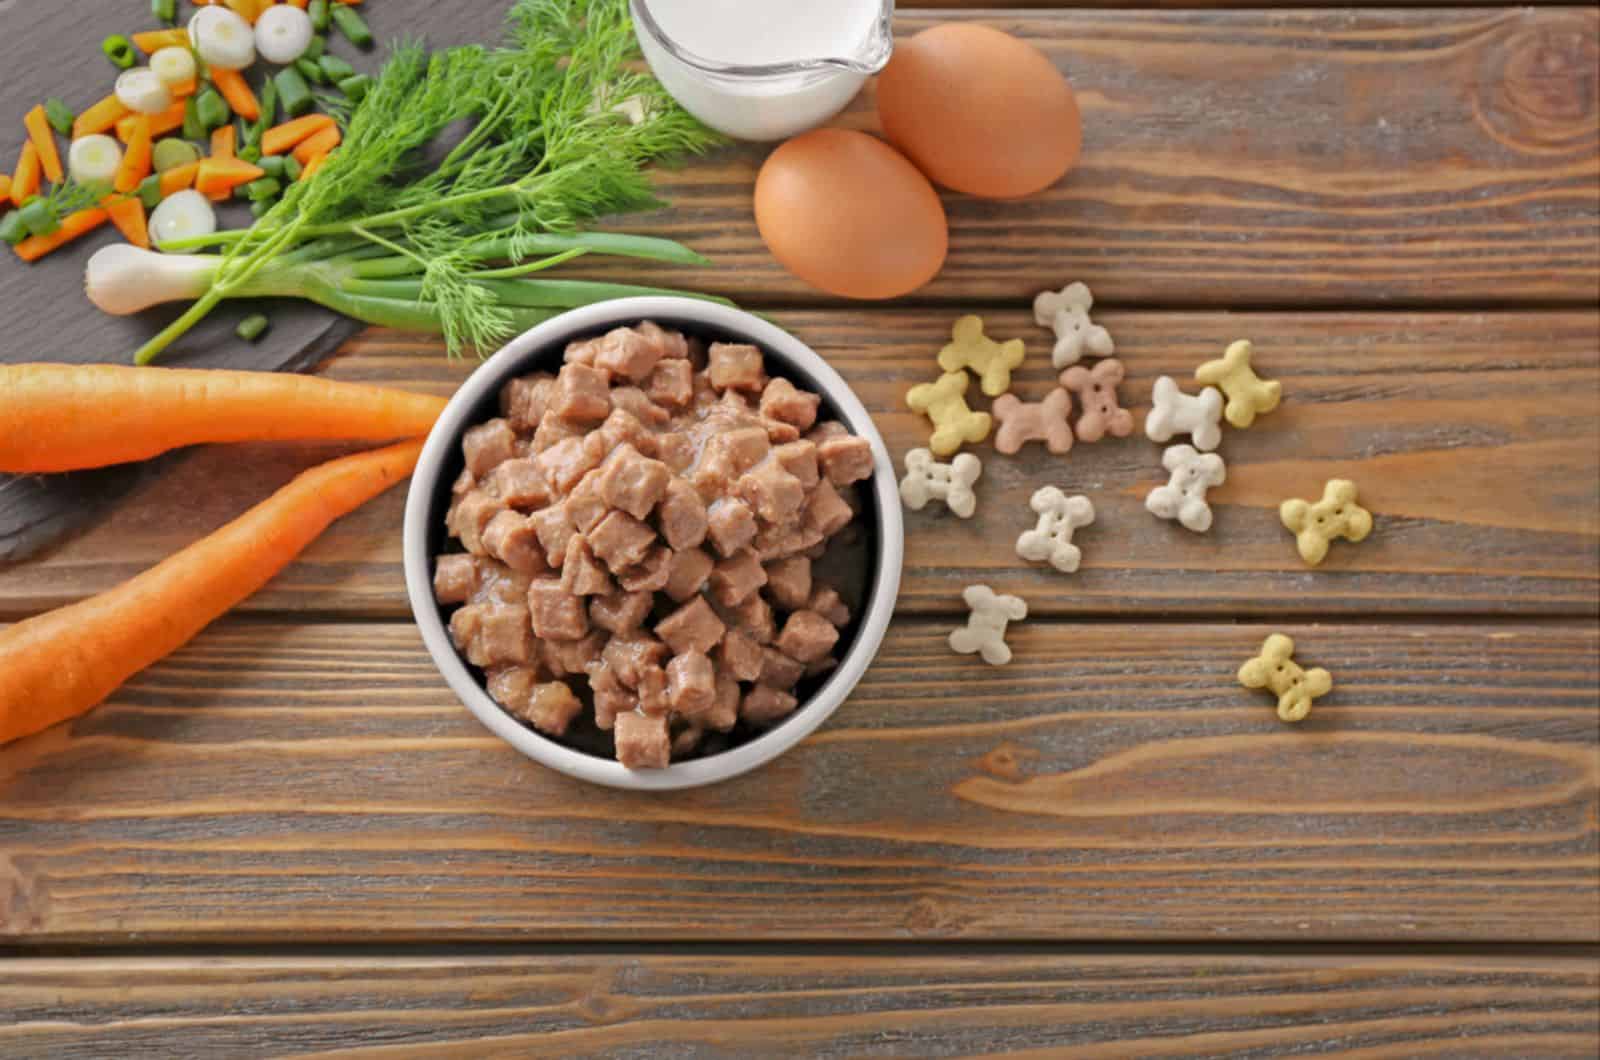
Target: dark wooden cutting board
{"x": 54, "y": 50}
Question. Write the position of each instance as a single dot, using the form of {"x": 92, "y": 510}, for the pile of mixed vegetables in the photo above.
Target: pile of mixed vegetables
{"x": 400, "y": 226}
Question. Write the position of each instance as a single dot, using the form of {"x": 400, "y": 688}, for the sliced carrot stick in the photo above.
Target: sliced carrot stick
{"x": 100, "y": 117}
{"x": 309, "y": 169}
{"x": 236, "y": 90}
{"x": 135, "y": 164}
{"x": 25, "y": 178}
{"x": 160, "y": 124}
{"x": 59, "y": 417}
{"x": 44, "y": 139}
{"x": 60, "y": 664}
{"x": 72, "y": 226}
{"x": 153, "y": 40}
{"x": 222, "y": 141}
{"x": 280, "y": 138}
{"x": 219, "y": 176}
{"x": 319, "y": 143}
{"x": 183, "y": 89}
{"x": 178, "y": 178}
{"x": 127, "y": 213}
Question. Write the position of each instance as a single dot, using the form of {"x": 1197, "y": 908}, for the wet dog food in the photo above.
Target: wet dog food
{"x": 641, "y": 535}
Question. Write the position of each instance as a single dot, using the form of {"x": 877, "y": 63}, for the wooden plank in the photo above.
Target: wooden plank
{"x": 801, "y": 1005}
{"x": 318, "y": 783}
{"x": 1475, "y": 437}
{"x": 1267, "y": 158}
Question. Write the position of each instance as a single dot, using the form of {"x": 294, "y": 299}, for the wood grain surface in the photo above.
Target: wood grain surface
{"x": 1269, "y": 158}
{"x": 813, "y": 1005}
{"x": 274, "y": 783}
{"x": 1474, "y": 437}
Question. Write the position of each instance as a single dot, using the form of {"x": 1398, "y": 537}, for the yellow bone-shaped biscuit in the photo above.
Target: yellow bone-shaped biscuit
{"x": 971, "y": 348}
{"x": 1275, "y": 671}
{"x": 1336, "y": 515}
{"x": 1248, "y": 394}
{"x": 953, "y": 422}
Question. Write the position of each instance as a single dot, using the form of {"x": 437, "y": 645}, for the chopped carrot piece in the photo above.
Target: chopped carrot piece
{"x": 301, "y": 4}
{"x": 160, "y": 124}
{"x": 5, "y": 190}
{"x": 183, "y": 89}
{"x": 127, "y": 213}
{"x": 236, "y": 90}
{"x": 319, "y": 144}
{"x": 280, "y": 138}
{"x": 25, "y": 179}
{"x": 217, "y": 177}
{"x": 153, "y": 40}
{"x": 309, "y": 169}
{"x": 100, "y": 117}
{"x": 222, "y": 141}
{"x": 178, "y": 178}
{"x": 135, "y": 159}
{"x": 44, "y": 138}
{"x": 249, "y": 10}
{"x": 72, "y": 226}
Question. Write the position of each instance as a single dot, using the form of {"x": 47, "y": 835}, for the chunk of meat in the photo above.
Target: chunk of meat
{"x": 653, "y": 691}
{"x": 731, "y": 525}
{"x": 564, "y": 463}
{"x": 688, "y": 573}
{"x": 691, "y": 684}
{"x": 671, "y": 383}
{"x": 511, "y": 538}
{"x": 807, "y": 636}
{"x": 783, "y": 401}
{"x": 800, "y": 460}
{"x": 504, "y": 636}
{"x": 789, "y": 582}
{"x": 682, "y": 516}
{"x": 826, "y": 511}
{"x": 676, "y": 450}
{"x": 845, "y": 460}
{"x": 455, "y": 576}
{"x": 498, "y": 583}
{"x": 623, "y": 428}
{"x": 581, "y": 395}
{"x": 629, "y": 655}
{"x": 649, "y": 575}
{"x": 581, "y": 573}
{"x": 827, "y": 429}
{"x": 736, "y": 366}
{"x": 821, "y": 666}
{"x": 783, "y": 541}
{"x": 637, "y": 403}
{"x": 487, "y": 446}
{"x": 554, "y": 429}
{"x": 692, "y": 627}
{"x": 462, "y": 485}
{"x": 764, "y": 705}
{"x": 825, "y": 601}
{"x": 685, "y": 740}
{"x": 779, "y": 670}
{"x": 753, "y": 618}
{"x": 553, "y": 526}
{"x": 735, "y": 579}
{"x": 627, "y": 354}
{"x": 465, "y": 624}
{"x": 548, "y": 706}
{"x": 740, "y": 656}
{"x": 523, "y": 399}
{"x": 565, "y": 658}
{"x": 621, "y": 541}
{"x": 519, "y": 484}
{"x": 633, "y": 482}
{"x": 642, "y": 741}
{"x": 585, "y": 507}
{"x": 620, "y": 612}
{"x": 727, "y": 455}
{"x": 724, "y": 712}
{"x": 778, "y": 432}
{"x": 772, "y": 492}
{"x": 611, "y": 697}
{"x": 556, "y": 613}
{"x": 469, "y": 516}
{"x": 671, "y": 344}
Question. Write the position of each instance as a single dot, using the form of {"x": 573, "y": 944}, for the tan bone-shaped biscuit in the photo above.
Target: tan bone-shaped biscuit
{"x": 985, "y": 631}
{"x": 1275, "y": 671}
{"x": 991, "y": 360}
{"x": 1248, "y": 394}
{"x": 928, "y": 480}
{"x": 945, "y": 404}
{"x": 1021, "y": 422}
{"x": 1066, "y": 312}
{"x": 1337, "y": 514}
{"x": 1097, "y": 396}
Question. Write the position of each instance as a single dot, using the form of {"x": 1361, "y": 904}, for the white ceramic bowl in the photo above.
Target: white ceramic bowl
{"x": 542, "y": 347}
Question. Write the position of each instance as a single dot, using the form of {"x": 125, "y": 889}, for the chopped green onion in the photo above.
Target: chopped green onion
{"x": 39, "y": 216}
{"x": 265, "y": 188}
{"x": 172, "y": 153}
{"x": 315, "y": 49}
{"x": 192, "y": 128}
{"x": 356, "y": 88}
{"x": 293, "y": 92}
{"x": 252, "y": 327}
{"x": 12, "y": 230}
{"x": 318, "y": 10}
{"x": 311, "y": 71}
{"x": 119, "y": 50}
{"x": 150, "y": 191}
{"x": 165, "y": 10}
{"x": 272, "y": 166}
{"x": 292, "y": 169}
{"x": 212, "y": 108}
{"x": 336, "y": 68}
{"x": 59, "y": 115}
{"x": 269, "y": 110}
{"x": 352, "y": 25}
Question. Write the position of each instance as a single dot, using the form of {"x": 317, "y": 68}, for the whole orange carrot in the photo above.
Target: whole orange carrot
{"x": 57, "y": 665}
{"x": 61, "y": 417}
{"x": 75, "y": 224}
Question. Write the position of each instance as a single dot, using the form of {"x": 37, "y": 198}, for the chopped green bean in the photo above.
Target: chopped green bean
{"x": 314, "y": 50}
{"x": 192, "y": 128}
{"x": 119, "y": 50}
{"x": 250, "y": 153}
{"x": 150, "y": 191}
{"x": 292, "y": 169}
{"x": 272, "y": 166}
{"x": 318, "y": 10}
{"x": 293, "y": 92}
{"x": 259, "y": 209}
{"x": 336, "y": 68}
{"x": 212, "y": 108}
{"x": 311, "y": 71}
{"x": 39, "y": 216}
{"x": 12, "y": 230}
{"x": 356, "y": 88}
{"x": 59, "y": 115}
{"x": 252, "y": 327}
{"x": 269, "y": 109}
{"x": 165, "y": 10}
{"x": 172, "y": 153}
{"x": 352, "y": 25}
{"x": 240, "y": 193}
{"x": 265, "y": 188}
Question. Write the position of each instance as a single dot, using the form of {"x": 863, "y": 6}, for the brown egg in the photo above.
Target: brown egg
{"x": 980, "y": 111}
{"x": 847, "y": 213}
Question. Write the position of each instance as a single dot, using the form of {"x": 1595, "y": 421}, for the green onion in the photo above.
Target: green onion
{"x": 165, "y": 10}
{"x": 259, "y": 209}
{"x": 150, "y": 191}
{"x": 59, "y": 115}
{"x": 39, "y": 216}
{"x": 172, "y": 153}
{"x": 336, "y": 68}
{"x": 314, "y": 50}
{"x": 272, "y": 166}
{"x": 292, "y": 169}
{"x": 119, "y": 50}
{"x": 252, "y": 327}
{"x": 293, "y": 92}
{"x": 356, "y": 88}
{"x": 318, "y": 10}
{"x": 12, "y": 230}
{"x": 212, "y": 108}
{"x": 352, "y": 25}
{"x": 311, "y": 71}
{"x": 265, "y": 188}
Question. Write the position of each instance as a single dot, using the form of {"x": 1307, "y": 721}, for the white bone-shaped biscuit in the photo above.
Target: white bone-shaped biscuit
{"x": 1051, "y": 540}
{"x": 1066, "y": 312}
{"x": 1184, "y": 496}
{"x": 985, "y": 631}
{"x": 1174, "y": 412}
{"x": 928, "y": 480}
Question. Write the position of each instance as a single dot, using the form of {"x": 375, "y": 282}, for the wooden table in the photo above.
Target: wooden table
{"x": 290, "y": 837}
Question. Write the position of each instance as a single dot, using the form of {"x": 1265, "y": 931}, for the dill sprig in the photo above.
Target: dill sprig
{"x": 461, "y": 174}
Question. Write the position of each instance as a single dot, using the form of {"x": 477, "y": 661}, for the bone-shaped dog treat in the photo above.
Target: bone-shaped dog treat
{"x": 1021, "y": 422}
{"x": 1051, "y": 540}
{"x": 1336, "y": 515}
{"x": 1248, "y": 394}
{"x": 985, "y": 631}
{"x": 1097, "y": 396}
{"x": 928, "y": 480}
{"x": 1174, "y": 412}
{"x": 1184, "y": 497}
{"x": 1066, "y": 312}
{"x": 991, "y": 360}
{"x": 953, "y": 422}
{"x": 1275, "y": 671}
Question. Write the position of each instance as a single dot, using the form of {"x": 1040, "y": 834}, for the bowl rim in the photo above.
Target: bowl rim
{"x": 488, "y": 377}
